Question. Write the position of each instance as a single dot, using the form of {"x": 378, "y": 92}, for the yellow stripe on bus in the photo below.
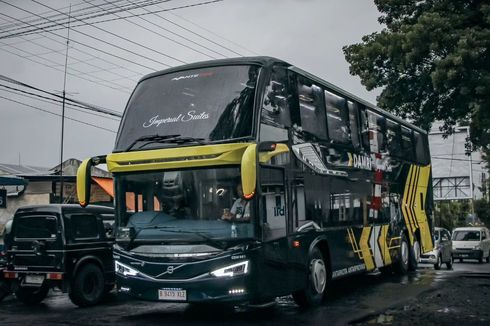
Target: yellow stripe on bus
{"x": 366, "y": 251}
{"x": 383, "y": 244}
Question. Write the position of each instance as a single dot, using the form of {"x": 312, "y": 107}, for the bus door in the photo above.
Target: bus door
{"x": 274, "y": 277}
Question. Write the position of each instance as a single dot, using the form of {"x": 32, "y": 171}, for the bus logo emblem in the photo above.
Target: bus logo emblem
{"x": 170, "y": 269}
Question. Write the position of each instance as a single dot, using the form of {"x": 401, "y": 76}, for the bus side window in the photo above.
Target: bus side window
{"x": 273, "y": 202}
{"x": 407, "y": 144}
{"x": 364, "y": 128}
{"x": 420, "y": 148}
{"x": 393, "y": 138}
{"x": 275, "y": 115}
{"x": 354, "y": 123}
{"x": 337, "y": 118}
{"x": 312, "y": 114}
{"x": 376, "y": 125}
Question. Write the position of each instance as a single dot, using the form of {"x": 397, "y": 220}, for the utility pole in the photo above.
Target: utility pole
{"x": 63, "y": 108}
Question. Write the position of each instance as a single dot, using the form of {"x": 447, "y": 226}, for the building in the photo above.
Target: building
{"x": 457, "y": 172}
{"x": 27, "y": 185}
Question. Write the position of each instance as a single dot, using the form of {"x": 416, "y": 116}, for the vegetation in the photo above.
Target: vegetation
{"x": 432, "y": 60}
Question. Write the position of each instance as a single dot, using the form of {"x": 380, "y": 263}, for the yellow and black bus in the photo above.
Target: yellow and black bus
{"x": 240, "y": 180}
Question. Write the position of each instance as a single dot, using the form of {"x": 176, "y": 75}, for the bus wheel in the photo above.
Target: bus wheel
{"x": 312, "y": 295}
{"x": 401, "y": 266}
{"x": 87, "y": 288}
{"x": 414, "y": 255}
{"x": 31, "y": 296}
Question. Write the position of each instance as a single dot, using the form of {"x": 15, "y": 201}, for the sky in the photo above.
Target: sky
{"x": 110, "y": 51}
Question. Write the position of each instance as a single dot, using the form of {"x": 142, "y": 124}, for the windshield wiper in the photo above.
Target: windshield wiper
{"x": 183, "y": 140}
{"x": 151, "y": 139}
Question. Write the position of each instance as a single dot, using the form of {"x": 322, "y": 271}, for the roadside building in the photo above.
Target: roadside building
{"x": 28, "y": 185}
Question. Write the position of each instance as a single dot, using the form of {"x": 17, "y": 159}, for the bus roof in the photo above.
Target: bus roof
{"x": 269, "y": 61}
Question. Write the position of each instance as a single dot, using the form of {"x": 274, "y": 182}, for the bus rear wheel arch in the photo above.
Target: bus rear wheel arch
{"x": 317, "y": 279}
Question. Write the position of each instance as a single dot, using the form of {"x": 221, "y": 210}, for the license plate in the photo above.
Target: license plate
{"x": 172, "y": 294}
{"x": 35, "y": 279}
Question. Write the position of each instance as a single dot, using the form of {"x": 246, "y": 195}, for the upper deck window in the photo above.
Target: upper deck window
{"x": 312, "y": 114}
{"x": 337, "y": 118}
{"x": 212, "y": 104}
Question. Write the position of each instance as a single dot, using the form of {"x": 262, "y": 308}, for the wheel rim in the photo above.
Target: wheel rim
{"x": 404, "y": 249}
{"x": 416, "y": 251}
{"x": 318, "y": 275}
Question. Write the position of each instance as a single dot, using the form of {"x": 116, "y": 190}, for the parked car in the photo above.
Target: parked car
{"x": 442, "y": 252}
{"x": 63, "y": 246}
{"x": 471, "y": 243}
{"x": 4, "y": 284}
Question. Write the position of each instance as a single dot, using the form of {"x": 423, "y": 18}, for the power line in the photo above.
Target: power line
{"x": 118, "y": 36}
{"x": 95, "y": 38}
{"x": 53, "y": 101}
{"x": 161, "y": 35}
{"x": 59, "y": 115}
{"x": 37, "y": 23}
{"x": 93, "y": 48}
{"x": 86, "y": 105}
{"x": 55, "y": 64}
{"x": 135, "y": 73}
{"x": 113, "y": 19}
{"x": 215, "y": 34}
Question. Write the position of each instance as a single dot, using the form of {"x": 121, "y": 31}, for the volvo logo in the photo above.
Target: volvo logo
{"x": 170, "y": 269}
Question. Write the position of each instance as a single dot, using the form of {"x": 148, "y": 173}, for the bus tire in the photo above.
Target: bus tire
{"x": 414, "y": 255}
{"x": 31, "y": 296}
{"x": 401, "y": 266}
{"x": 313, "y": 294}
{"x": 87, "y": 288}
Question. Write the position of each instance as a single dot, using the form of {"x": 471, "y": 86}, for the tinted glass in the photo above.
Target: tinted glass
{"x": 188, "y": 205}
{"x": 84, "y": 226}
{"x": 275, "y": 115}
{"x": 40, "y": 227}
{"x": 407, "y": 144}
{"x": 337, "y": 118}
{"x": 311, "y": 108}
{"x": 354, "y": 123}
{"x": 466, "y": 235}
{"x": 213, "y": 103}
{"x": 393, "y": 138}
{"x": 421, "y": 150}
{"x": 376, "y": 124}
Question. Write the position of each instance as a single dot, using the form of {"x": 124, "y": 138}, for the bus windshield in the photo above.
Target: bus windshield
{"x": 208, "y": 104}
{"x": 201, "y": 205}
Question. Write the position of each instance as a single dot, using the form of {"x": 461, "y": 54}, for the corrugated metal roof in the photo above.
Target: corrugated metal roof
{"x": 12, "y": 169}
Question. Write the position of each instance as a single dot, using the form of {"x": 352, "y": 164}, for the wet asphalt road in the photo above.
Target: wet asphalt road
{"x": 349, "y": 300}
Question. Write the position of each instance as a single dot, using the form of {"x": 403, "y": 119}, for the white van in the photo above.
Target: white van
{"x": 471, "y": 243}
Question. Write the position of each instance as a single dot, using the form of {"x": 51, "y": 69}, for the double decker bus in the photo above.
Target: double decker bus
{"x": 241, "y": 180}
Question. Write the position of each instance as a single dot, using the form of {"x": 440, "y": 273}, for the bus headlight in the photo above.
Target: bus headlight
{"x": 125, "y": 270}
{"x": 477, "y": 247}
{"x": 232, "y": 270}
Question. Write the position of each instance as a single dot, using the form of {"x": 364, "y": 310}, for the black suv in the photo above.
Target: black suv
{"x": 62, "y": 246}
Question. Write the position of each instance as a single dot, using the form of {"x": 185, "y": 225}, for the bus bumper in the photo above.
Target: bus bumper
{"x": 218, "y": 290}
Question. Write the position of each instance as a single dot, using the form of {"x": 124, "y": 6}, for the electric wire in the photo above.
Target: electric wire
{"x": 40, "y": 29}
{"x": 95, "y": 38}
{"x": 94, "y": 48}
{"x": 87, "y": 105}
{"x": 38, "y": 22}
{"x": 49, "y": 100}
{"x": 167, "y": 30}
{"x": 56, "y": 114}
{"x": 56, "y": 64}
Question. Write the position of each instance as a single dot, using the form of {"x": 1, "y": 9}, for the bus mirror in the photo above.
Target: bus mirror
{"x": 249, "y": 171}
{"x": 84, "y": 178}
{"x": 267, "y": 146}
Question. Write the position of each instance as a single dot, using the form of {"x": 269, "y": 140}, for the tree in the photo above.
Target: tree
{"x": 432, "y": 60}
{"x": 482, "y": 210}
